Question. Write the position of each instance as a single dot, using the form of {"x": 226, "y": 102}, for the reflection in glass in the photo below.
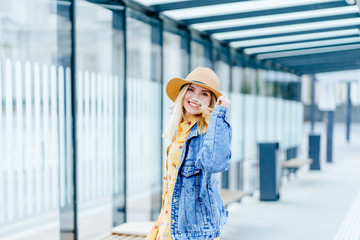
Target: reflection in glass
{"x": 143, "y": 122}
{"x": 222, "y": 69}
{"x": 174, "y": 66}
{"x": 99, "y": 117}
{"x": 32, "y": 119}
{"x": 237, "y": 78}
{"x": 197, "y": 55}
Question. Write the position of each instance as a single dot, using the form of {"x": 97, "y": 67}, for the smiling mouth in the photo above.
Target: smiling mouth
{"x": 193, "y": 104}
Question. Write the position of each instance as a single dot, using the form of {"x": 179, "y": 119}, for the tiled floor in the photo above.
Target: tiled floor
{"x": 314, "y": 205}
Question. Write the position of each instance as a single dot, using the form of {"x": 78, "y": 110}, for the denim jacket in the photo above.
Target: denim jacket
{"x": 197, "y": 211}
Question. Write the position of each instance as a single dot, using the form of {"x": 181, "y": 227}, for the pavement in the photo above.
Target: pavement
{"x": 313, "y": 205}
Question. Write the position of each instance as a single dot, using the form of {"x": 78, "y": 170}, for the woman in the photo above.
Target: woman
{"x": 200, "y": 137}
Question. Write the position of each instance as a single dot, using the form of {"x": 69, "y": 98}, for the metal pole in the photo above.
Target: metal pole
{"x": 314, "y": 151}
{"x": 348, "y": 115}
{"x": 124, "y": 18}
{"x": 118, "y": 59}
{"x": 312, "y": 114}
{"x": 73, "y": 115}
{"x": 329, "y": 136}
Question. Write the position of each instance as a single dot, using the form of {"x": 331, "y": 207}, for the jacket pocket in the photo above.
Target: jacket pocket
{"x": 189, "y": 170}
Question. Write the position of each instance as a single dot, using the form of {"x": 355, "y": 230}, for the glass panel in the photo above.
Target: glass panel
{"x": 269, "y": 84}
{"x": 222, "y": 69}
{"x": 197, "y": 55}
{"x": 280, "y": 121}
{"x": 261, "y": 82}
{"x": 250, "y": 150}
{"x": 296, "y": 126}
{"x": 32, "y": 118}
{"x": 290, "y": 123}
{"x": 300, "y": 123}
{"x": 250, "y": 145}
{"x": 237, "y": 78}
{"x": 271, "y": 121}
{"x": 262, "y": 119}
{"x": 237, "y": 115}
{"x": 287, "y": 126}
{"x": 248, "y": 86}
{"x": 99, "y": 117}
{"x": 143, "y": 138}
{"x": 285, "y": 131}
{"x": 174, "y": 66}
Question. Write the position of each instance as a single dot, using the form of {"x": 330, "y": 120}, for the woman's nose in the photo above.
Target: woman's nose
{"x": 198, "y": 94}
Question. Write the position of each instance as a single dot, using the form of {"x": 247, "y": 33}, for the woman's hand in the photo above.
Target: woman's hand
{"x": 223, "y": 101}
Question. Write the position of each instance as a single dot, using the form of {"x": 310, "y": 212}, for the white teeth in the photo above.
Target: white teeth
{"x": 192, "y": 104}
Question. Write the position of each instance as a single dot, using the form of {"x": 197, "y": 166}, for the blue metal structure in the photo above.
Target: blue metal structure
{"x": 332, "y": 12}
{"x": 312, "y": 115}
{"x": 74, "y": 210}
{"x": 348, "y": 112}
{"x": 330, "y": 4}
{"x": 269, "y": 171}
{"x": 189, "y": 4}
{"x": 284, "y": 23}
{"x": 329, "y": 136}
{"x": 330, "y": 44}
{"x": 236, "y": 46}
{"x": 314, "y": 151}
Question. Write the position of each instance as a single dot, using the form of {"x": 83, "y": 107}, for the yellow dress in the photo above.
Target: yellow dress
{"x": 161, "y": 229}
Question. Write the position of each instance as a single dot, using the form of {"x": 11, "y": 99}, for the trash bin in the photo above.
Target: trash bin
{"x": 314, "y": 151}
{"x": 270, "y": 171}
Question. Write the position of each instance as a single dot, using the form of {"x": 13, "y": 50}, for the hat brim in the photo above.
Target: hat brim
{"x": 173, "y": 88}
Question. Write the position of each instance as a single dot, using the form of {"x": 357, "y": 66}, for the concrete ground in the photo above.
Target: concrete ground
{"x": 321, "y": 205}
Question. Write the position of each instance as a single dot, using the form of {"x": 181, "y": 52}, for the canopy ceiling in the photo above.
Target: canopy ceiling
{"x": 306, "y": 36}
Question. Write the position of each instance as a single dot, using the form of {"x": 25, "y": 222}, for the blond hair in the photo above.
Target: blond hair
{"x": 178, "y": 115}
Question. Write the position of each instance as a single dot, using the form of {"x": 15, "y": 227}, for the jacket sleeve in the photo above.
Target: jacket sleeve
{"x": 215, "y": 153}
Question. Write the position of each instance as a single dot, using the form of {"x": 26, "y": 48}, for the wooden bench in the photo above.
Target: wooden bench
{"x": 230, "y": 196}
{"x": 139, "y": 230}
{"x": 115, "y": 236}
{"x": 130, "y": 231}
{"x": 292, "y": 165}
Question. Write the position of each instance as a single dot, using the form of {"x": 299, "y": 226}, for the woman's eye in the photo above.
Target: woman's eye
{"x": 205, "y": 94}
{"x": 190, "y": 89}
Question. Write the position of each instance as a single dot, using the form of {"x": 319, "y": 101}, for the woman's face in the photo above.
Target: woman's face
{"x": 193, "y": 97}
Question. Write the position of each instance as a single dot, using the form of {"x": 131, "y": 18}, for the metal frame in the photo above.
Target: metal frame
{"x": 125, "y": 108}
{"x": 299, "y": 41}
{"x": 160, "y": 10}
{"x": 348, "y": 111}
{"x": 121, "y": 198}
{"x": 157, "y": 29}
{"x": 258, "y": 13}
{"x": 303, "y": 46}
{"x": 284, "y": 23}
{"x": 73, "y": 114}
{"x": 189, "y": 4}
{"x": 355, "y": 25}
{"x": 307, "y": 63}
{"x": 303, "y": 64}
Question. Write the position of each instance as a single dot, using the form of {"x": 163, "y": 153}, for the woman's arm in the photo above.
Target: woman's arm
{"x": 215, "y": 153}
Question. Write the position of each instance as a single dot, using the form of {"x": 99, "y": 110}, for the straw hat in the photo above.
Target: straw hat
{"x": 204, "y": 77}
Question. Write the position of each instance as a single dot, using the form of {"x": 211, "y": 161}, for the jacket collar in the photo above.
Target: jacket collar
{"x": 194, "y": 131}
